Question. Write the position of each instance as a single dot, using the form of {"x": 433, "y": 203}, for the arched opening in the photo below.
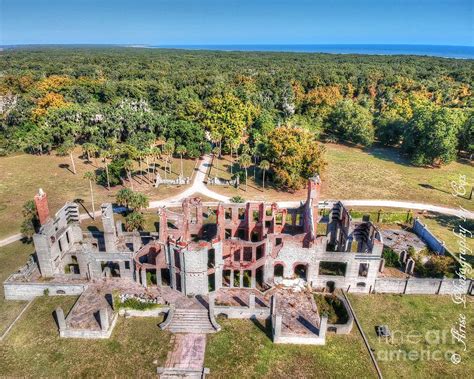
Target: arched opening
{"x": 278, "y": 270}
{"x": 301, "y": 271}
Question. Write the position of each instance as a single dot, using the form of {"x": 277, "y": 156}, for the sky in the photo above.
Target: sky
{"x": 215, "y": 22}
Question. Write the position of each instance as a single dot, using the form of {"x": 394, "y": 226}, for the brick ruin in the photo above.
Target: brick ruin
{"x": 244, "y": 260}
{"x": 200, "y": 249}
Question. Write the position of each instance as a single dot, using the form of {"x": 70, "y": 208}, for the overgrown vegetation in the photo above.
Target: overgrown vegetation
{"x": 130, "y": 105}
{"x": 333, "y": 307}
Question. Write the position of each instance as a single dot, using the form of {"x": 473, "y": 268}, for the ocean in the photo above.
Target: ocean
{"x": 460, "y": 52}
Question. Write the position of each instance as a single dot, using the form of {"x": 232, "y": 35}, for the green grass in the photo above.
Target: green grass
{"x": 373, "y": 173}
{"x": 442, "y": 226}
{"x": 408, "y": 317}
{"x": 12, "y": 257}
{"x": 34, "y": 349}
{"x": 242, "y": 350}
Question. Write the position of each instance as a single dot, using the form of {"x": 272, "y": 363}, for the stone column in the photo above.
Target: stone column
{"x": 143, "y": 277}
{"x": 60, "y": 318}
{"x": 252, "y": 301}
{"x": 158, "y": 277}
{"x": 323, "y": 326}
{"x": 104, "y": 319}
{"x": 241, "y": 279}
{"x": 253, "y": 280}
{"x": 382, "y": 265}
{"x": 231, "y": 278}
{"x": 277, "y": 327}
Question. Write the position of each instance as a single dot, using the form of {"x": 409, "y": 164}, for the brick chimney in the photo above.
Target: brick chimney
{"x": 41, "y": 203}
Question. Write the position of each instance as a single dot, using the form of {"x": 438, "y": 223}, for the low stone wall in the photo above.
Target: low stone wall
{"x": 29, "y": 290}
{"x": 242, "y": 312}
{"x": 155, "y": 312}
{"x": 424, "y": 286}
{"x": 299, "y": 339}
{"x": 89, "y": 334}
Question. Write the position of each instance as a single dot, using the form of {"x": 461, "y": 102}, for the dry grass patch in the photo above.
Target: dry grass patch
{"x": 12, "y": 257}
{"x": 34, "y": 349}
{"x": 21, "y": 175}
{"x": 373, "y": 173}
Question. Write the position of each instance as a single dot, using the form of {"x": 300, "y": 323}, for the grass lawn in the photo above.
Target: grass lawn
{"x": 34, "y": 349}
{"x": 415, "y": 321}
{"x": 21, "y": 175}
{"x": 12, "y": 257}
{"x": 442, "y": 226}
{"x": 242, "y": 350}
{"x": 374, "y": 173}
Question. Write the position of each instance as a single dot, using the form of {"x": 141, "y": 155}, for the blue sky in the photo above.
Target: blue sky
{"x": 176, "y": 22}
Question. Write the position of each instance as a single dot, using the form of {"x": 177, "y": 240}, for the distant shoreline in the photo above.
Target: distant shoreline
{"x": 440, "y": 51}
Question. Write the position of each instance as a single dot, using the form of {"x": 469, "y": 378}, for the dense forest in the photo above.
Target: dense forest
{"x": 124, "y": 103}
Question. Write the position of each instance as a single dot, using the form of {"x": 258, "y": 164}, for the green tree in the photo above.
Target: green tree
{"x": 30, "y": 223}
{"x": 294, "y": 156}
{"x": 431, "y": 136}
{"x": 134, "y": 221}
{"x": 90, "y": 149}
{"x": 264, "y": 166}
{"x": 124, "y": 197}
{"x": 245, "y": 161}
{"x": 351, "y": 122}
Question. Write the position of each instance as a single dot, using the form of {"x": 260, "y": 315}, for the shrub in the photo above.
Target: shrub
{"x": 333, "y": 307}
{"x": 391, "y": 258}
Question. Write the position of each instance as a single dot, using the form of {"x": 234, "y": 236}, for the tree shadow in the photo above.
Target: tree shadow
{"x": 390, "y": 154}
{"x": 81, "y": 203}
{"x": 65, "y": 166}
{"x": 429, "y": 186}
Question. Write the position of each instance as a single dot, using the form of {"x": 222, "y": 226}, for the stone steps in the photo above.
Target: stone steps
{"x": 191, "y": 321}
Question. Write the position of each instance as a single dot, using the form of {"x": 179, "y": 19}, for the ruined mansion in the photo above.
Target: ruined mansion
{"x": 201, "y": 249}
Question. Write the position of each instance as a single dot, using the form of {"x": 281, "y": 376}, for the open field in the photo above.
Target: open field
{"x": 21, "y": 176}
{"x": 243, "y": 350}
{"x": 33, "y": 348}
{"x": 373, "y": 173}
{"x": 416, "y": 322}
{"x": 12, "y": 257}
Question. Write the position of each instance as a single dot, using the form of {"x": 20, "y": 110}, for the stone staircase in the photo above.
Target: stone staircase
{"x": 191, "y": 321}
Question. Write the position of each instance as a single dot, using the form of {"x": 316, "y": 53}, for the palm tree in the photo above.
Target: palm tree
{"x": 128, "y": 166}
{"x": 68, "y": 148}
{"x": 216, "y": 151}
{"x": 168, "y": 150}
{"x": 89, "y": 149}
{"x": 105, "y": 155}
{"x": 264, "y": 166}
{"x": 181, "y": 150}
{"x": 90, "y": 176}
{"x": 245, "y": 161}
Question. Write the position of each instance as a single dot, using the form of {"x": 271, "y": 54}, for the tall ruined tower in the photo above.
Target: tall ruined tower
{"x": 41, "y": 203}
{"x": 311, "y": 207}
{"x": 110, "y": 233}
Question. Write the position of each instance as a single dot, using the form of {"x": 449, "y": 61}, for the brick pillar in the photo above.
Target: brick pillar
{"x": 41, "y": 203}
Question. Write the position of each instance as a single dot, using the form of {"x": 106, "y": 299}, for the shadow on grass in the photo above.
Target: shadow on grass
{"x": 264, "y": 327}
